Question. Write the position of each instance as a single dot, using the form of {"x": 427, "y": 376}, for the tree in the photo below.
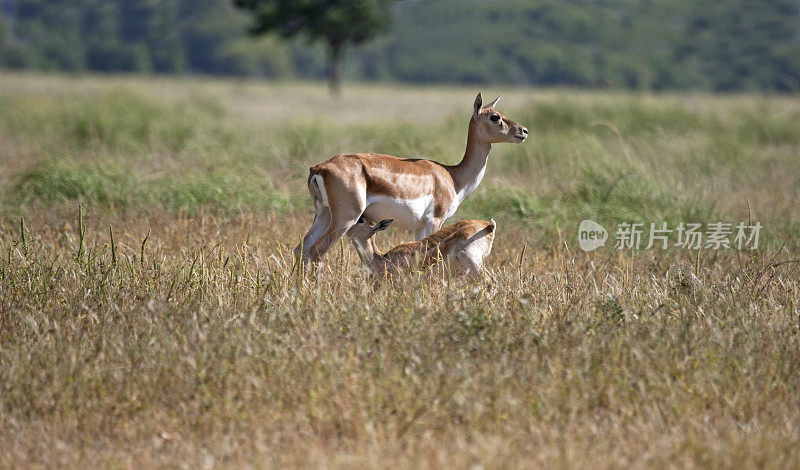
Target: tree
{"x": 337, "y": 23}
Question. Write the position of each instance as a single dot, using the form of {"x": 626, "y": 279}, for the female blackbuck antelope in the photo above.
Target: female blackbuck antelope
{"x": 461, "y": 246}
{"x": 418, "y": 194}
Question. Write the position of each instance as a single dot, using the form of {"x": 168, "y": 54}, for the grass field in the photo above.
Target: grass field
{"x": 188, "y": 340}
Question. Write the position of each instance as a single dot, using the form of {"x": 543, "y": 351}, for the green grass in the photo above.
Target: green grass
{"x": 113, "y": 186}
{"x": 616, "y": 157}
{"x": 189, "y": 339}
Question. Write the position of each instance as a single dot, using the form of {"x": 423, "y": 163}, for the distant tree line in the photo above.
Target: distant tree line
{"x": 642, "y": 44}
{"x": 142, "y": 36}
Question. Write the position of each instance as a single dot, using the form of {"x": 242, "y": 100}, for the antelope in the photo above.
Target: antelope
{"x": 417, "y": 194}
{"x": 461, "y": 246}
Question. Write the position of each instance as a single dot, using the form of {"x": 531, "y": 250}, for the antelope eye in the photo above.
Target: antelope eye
{"x": 495, "y": 117}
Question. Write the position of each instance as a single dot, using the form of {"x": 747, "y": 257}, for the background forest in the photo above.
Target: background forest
{"x": 638, "y": 44}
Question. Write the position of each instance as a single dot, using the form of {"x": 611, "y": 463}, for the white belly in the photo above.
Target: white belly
{"x": 408, "y": 214}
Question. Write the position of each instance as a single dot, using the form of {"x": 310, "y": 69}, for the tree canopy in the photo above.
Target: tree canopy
{"x": 337, "y": 23}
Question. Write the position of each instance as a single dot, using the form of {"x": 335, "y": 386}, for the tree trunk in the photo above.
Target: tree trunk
{"x": 335, "y": 50}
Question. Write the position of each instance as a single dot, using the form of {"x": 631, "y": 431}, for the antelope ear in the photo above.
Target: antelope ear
{"x": 493, "y": 103}
{"x": 383, "y": 225}
{"x": 478, "y": 104}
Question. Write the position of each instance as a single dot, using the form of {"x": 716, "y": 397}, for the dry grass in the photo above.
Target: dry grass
{"x": 201, "y": 346}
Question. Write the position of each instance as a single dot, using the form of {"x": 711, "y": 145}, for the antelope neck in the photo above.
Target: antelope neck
{"x": 473, "y": 163}
{"x": 368, "y": 252}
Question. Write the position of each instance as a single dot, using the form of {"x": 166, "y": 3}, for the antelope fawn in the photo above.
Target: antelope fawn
{"x": 461, "y": 246}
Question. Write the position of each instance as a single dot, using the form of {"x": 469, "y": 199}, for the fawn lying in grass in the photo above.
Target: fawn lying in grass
{"x": 462, "y": 247}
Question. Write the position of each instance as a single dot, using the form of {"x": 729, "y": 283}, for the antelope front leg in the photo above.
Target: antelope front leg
{"x": 326, "y": 241}
{"x": 341, "y": 222}
{"x": 322, "y": 221}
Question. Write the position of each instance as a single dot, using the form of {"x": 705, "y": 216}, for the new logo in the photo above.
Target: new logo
{"x": 591, "y": 235}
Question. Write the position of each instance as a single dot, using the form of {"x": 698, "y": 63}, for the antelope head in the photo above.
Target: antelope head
{"x": 493, "y": 127}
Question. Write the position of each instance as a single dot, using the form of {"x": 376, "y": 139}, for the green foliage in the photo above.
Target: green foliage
{"x": 600, "y": 194}
{"x": 336, "y": 23}
{"x": 331, "y": 21}
{"x": 105, "y": 184}
{"x": 216, "y": 41}
{"x": 168, "y": 36}
{"x": 747, "y": 44}
{"x": 117, "y": 121}
{"x": 711, "y": 48}
{"x": 114, "y": 186}
{"x": 609, "y": 157}
{"x": 656, "y": 44}
{"x": 3, "y": 38}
